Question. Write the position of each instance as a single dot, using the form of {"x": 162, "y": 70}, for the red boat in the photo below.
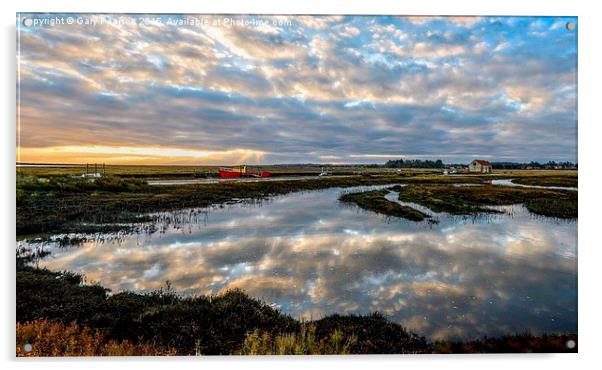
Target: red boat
{"x": 241, "y": 171}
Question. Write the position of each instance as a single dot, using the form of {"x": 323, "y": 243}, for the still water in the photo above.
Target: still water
{"x": 508, "y": 182}
{"x": 311, "y": 256}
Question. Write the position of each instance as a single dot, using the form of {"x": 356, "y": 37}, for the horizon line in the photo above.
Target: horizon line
{"x": 276, "y": 164}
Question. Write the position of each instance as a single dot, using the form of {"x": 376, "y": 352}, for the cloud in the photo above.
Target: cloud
{"x": 312, "y": 87}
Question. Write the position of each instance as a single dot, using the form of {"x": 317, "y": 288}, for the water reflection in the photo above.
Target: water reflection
{"x": 312, "y": 256}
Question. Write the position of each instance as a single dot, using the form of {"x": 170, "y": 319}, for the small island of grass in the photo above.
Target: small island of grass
{"x": 470, "y": 200}
{"x": 375, "y": 201}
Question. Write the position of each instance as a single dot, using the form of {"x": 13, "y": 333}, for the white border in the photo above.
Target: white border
{"x": 427, "y": 7}
{"x": 590, "y": 154}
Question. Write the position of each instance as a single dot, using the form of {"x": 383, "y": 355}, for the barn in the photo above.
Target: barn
{"x": 480, "y": 166}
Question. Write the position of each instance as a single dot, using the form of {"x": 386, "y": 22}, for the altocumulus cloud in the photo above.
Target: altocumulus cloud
{"x": 304, "y": 89}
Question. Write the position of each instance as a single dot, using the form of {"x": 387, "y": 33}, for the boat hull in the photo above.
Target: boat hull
{"x": 259, "y": 174}
{"x": 232, "y": 174}
{"x": 226, "y": 174}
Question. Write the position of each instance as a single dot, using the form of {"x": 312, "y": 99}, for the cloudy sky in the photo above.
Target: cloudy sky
{"x": 328, "y": 89}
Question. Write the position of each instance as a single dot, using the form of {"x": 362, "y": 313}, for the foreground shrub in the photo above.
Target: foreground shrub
{"x": 48, "y": 339}
{"x": 374, "y": 334}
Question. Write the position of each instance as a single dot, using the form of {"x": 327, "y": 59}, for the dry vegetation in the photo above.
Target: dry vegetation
{"x": 50, "y": 339}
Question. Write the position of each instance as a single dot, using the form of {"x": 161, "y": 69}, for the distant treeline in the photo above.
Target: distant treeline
{"x": 414, "y": 163}
{"x": 532, "y": 164}
{"x": 417, "y": 163}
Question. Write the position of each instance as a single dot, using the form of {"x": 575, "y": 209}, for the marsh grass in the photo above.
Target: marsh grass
{"x": 304, "y": 342}
{"x": 551, "y": 207}
{"x": 566, "y": 180}
{"x": 470, "y": 200}
{"x": 375, "y": 201}
{"x": 63, "y": 205}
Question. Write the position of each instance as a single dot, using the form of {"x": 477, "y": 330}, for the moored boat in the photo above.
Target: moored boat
{"x": 241, "y": 171}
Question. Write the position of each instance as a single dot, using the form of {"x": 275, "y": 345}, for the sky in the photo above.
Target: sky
{"x": 224, "y": 90}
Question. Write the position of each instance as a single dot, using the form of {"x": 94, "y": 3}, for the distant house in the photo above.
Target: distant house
{"x": 480, "y": 166}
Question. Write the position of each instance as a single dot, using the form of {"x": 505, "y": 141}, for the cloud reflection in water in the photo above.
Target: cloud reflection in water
{"x": 313, "y": 256}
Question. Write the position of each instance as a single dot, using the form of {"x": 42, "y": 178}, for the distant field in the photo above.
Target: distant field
{"x": 122, "y": 171}
{"x": 521, "y": 173}
{"x": 201, "y": 171}
{"x": 166, "y": 172}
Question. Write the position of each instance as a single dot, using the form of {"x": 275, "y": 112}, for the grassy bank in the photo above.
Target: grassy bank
{"x": 59, "y": 315}
{"x": 471, "y": 200}
{"x": 375, "y": 201}
{"x": 566, "y": 181}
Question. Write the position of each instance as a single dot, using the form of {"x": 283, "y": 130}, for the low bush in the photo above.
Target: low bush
{"x": 48, "y": 339}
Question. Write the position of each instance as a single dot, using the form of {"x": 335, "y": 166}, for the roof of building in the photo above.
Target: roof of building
{"x": 482, "y": 162}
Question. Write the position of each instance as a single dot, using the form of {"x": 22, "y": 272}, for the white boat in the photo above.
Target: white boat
{"x": 325, "y": 173}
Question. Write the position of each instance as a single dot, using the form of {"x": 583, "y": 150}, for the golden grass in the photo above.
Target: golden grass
{"x": 55, "y": 339}
{"x": 302, "y": 343}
